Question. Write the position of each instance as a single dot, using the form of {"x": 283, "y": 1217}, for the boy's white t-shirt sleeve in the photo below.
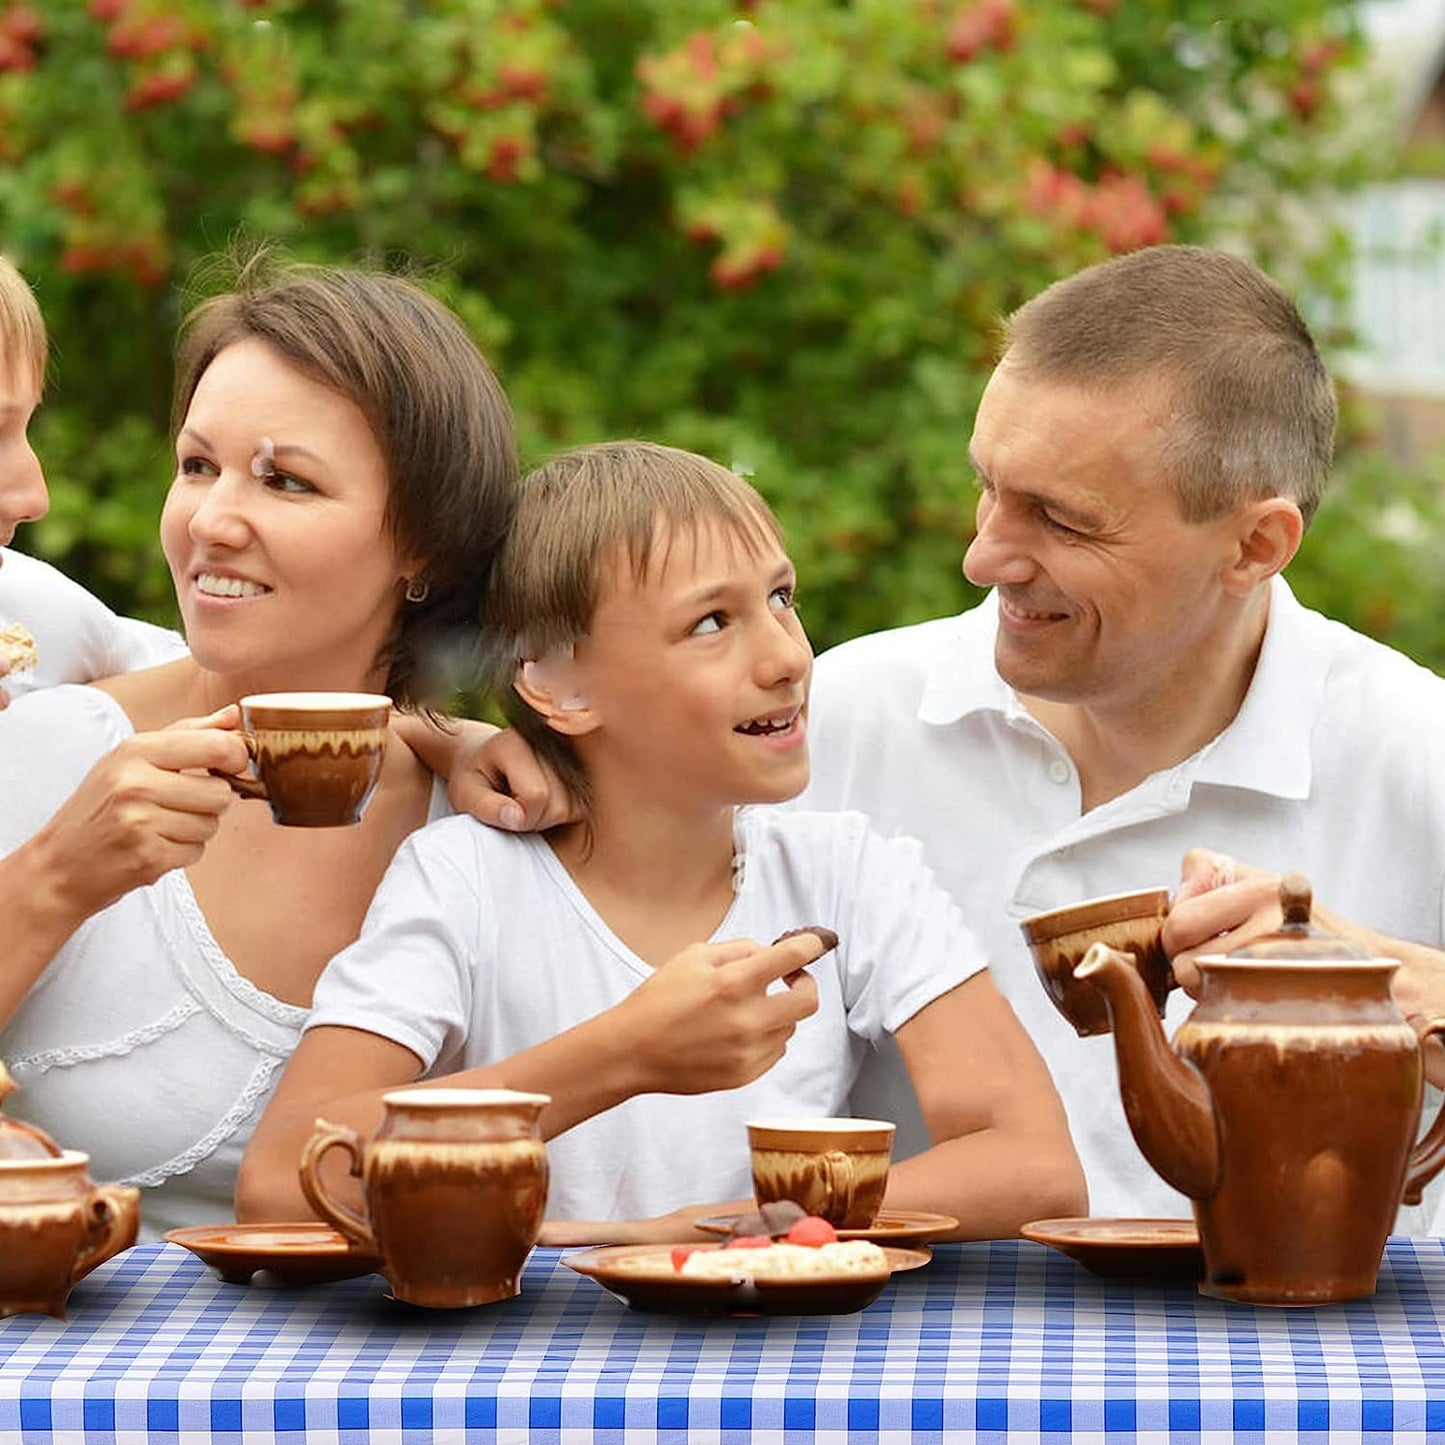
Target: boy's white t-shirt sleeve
{"x": 409, "y": 975}
{"x": 906, "y": 942}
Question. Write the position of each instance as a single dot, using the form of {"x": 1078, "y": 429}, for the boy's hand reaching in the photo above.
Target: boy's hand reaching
{"x": 717, "y": 1015}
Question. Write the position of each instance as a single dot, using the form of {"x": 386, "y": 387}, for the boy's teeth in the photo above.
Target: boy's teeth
{"x": 778, "y": 725}
{"x": 227, "y": 586}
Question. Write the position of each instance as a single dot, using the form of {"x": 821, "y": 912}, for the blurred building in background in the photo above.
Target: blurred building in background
{"x": 1399, "y": 234}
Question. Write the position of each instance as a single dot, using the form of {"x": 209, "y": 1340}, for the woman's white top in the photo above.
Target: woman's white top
{"x": 141, "y": 1044}
{"x": 478, "y": 944}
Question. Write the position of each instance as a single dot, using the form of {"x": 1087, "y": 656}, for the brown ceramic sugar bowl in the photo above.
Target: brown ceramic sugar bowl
{"x": 1059, "y": 939}
{"x": 55, "y": 1227}
{"x": 836, "y": 1168}
{"x": 316, "y": 755}
{"x": 455, "y": 1182}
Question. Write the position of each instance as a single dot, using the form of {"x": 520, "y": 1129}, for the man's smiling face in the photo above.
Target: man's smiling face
{"x": 1103, "y": 587}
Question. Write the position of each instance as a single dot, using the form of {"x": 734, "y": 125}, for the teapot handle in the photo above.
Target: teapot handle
{"x": 114, "y": 1218}
{"x": 1428, "y": 1156}
{"x": 334, "y": 1136}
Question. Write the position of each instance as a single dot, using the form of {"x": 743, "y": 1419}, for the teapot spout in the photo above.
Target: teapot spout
{"x": 1165, "y": 1098}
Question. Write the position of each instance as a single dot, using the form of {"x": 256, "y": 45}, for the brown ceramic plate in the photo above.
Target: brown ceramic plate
{"x": 643, "y": 1276}
{"x": 892, "y": 1226}
{"x": 295, "y": 1254}
{"x": 1162, "y": 1249}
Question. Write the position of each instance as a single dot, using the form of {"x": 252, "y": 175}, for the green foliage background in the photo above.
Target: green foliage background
{"x": 778, "y": 233}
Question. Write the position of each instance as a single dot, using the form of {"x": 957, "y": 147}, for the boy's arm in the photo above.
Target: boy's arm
{"x": 1002, "y": 1155}
{"x": 491, "y": 773}
{"x": 705, "y": 1020}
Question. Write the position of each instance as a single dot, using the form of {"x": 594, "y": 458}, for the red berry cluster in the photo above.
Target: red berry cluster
{"x": 21, "y": 32}
{"x": 984, "y": 25}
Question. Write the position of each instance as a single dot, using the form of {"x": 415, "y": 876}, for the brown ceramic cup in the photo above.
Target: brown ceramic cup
{"x": 55, "y": 1226}
{"x": 835, "y": 1168}
{"x": 455, "y": 1182}
{"x": 316, "y": 755}
{"x": 1131, "y": 922}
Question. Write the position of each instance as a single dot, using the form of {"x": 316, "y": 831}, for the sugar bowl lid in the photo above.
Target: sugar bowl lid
{"x": 18, "y": 1140}
{"x": 1297, "y": 937}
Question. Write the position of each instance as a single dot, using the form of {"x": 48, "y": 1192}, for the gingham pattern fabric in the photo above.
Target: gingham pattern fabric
{"x": 990, "y": 1341}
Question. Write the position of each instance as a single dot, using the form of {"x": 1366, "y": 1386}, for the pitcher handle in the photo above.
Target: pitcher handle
{"x": 842, "y": 1182}
{"x": 114, "y": 1219}
{"x": 1427, "y": 1158}
{"x": 335, "y": 1136}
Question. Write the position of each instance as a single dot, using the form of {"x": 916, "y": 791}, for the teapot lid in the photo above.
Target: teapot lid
{"x": 22, "y": 1141}
{"x": 1297, "y": 937}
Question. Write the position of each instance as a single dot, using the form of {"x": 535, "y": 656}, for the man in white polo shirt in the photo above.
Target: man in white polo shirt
{"x": 1140, "y": 680}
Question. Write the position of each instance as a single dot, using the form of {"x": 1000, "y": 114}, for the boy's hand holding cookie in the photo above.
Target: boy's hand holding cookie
{"x": 712, "y": 1017}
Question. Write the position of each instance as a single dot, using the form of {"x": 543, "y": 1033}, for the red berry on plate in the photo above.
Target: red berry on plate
{"x": 813, "y": 1232}
{"x": 680, "y": 1253}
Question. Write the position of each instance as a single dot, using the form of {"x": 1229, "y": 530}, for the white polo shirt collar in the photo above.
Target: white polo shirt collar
{"x": 1265, "y": 749}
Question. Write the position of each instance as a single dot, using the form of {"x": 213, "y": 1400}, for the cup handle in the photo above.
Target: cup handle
{"x": 246, "y": 787}
{"x": 114, "y": 1218}
{"x": 842, "y": 1182}
{"x": 1427, "y": 1158}
{"x": 334, "y": 1136}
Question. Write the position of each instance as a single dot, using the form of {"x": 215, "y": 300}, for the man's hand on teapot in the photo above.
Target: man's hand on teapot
{"x": 1220, "y": 905}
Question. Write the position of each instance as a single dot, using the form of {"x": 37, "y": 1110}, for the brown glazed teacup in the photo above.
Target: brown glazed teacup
{"x": 836, "y": 1168}
{"x": 316, "y": 755}
{"x": 455, "y": 1183}
{"x": 55, "y": 1226}
{"x": 1131, "y": 922}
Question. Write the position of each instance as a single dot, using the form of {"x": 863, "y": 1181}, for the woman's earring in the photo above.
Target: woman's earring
{"x": 418, "y": 589}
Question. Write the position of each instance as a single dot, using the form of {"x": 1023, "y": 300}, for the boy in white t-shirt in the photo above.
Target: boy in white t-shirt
{"x": 649, "y": 642}
{"x": 77, "y": 638}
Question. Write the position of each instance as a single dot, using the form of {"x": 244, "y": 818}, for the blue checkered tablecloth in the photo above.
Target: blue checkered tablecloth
{"x": 991, "y": 1340}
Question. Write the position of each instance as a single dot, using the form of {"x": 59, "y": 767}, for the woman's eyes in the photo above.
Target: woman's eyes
{"x": 276, "y": 481}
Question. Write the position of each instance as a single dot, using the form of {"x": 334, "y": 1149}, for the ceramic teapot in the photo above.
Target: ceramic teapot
{"x": 55, "y": 1225}
{"x": 1286, "y": 1110}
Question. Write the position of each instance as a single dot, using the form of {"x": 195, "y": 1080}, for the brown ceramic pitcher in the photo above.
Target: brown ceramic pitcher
{"x": 1287, "y": 1109}
{"x": 455, "y": 1183}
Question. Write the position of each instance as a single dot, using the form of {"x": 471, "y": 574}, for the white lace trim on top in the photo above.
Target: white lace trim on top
{"x": 124, "y": 1043}
{"x": 257, "y": 1087}
{"x": 263, "y": 1020}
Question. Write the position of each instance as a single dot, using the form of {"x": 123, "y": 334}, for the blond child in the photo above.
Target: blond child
{"x": 655, "y": 658}
{"x": 77, "y": 638}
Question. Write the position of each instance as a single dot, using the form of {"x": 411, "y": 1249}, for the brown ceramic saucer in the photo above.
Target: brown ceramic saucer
{"x": 296, "y": 1254}
{"x": 892, "y": 1226}
{"x": 643, "y": 1276}
{"x": 1142, "y": 1249}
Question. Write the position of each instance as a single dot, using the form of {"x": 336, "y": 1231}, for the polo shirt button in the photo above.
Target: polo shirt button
{"x": 1059, "y": 771}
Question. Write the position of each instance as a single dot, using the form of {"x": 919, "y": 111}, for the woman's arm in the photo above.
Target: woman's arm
{"x": 705, "y": 1020}
{"x": 1002, "y": 1155}
{"x": 148, "y": 806}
